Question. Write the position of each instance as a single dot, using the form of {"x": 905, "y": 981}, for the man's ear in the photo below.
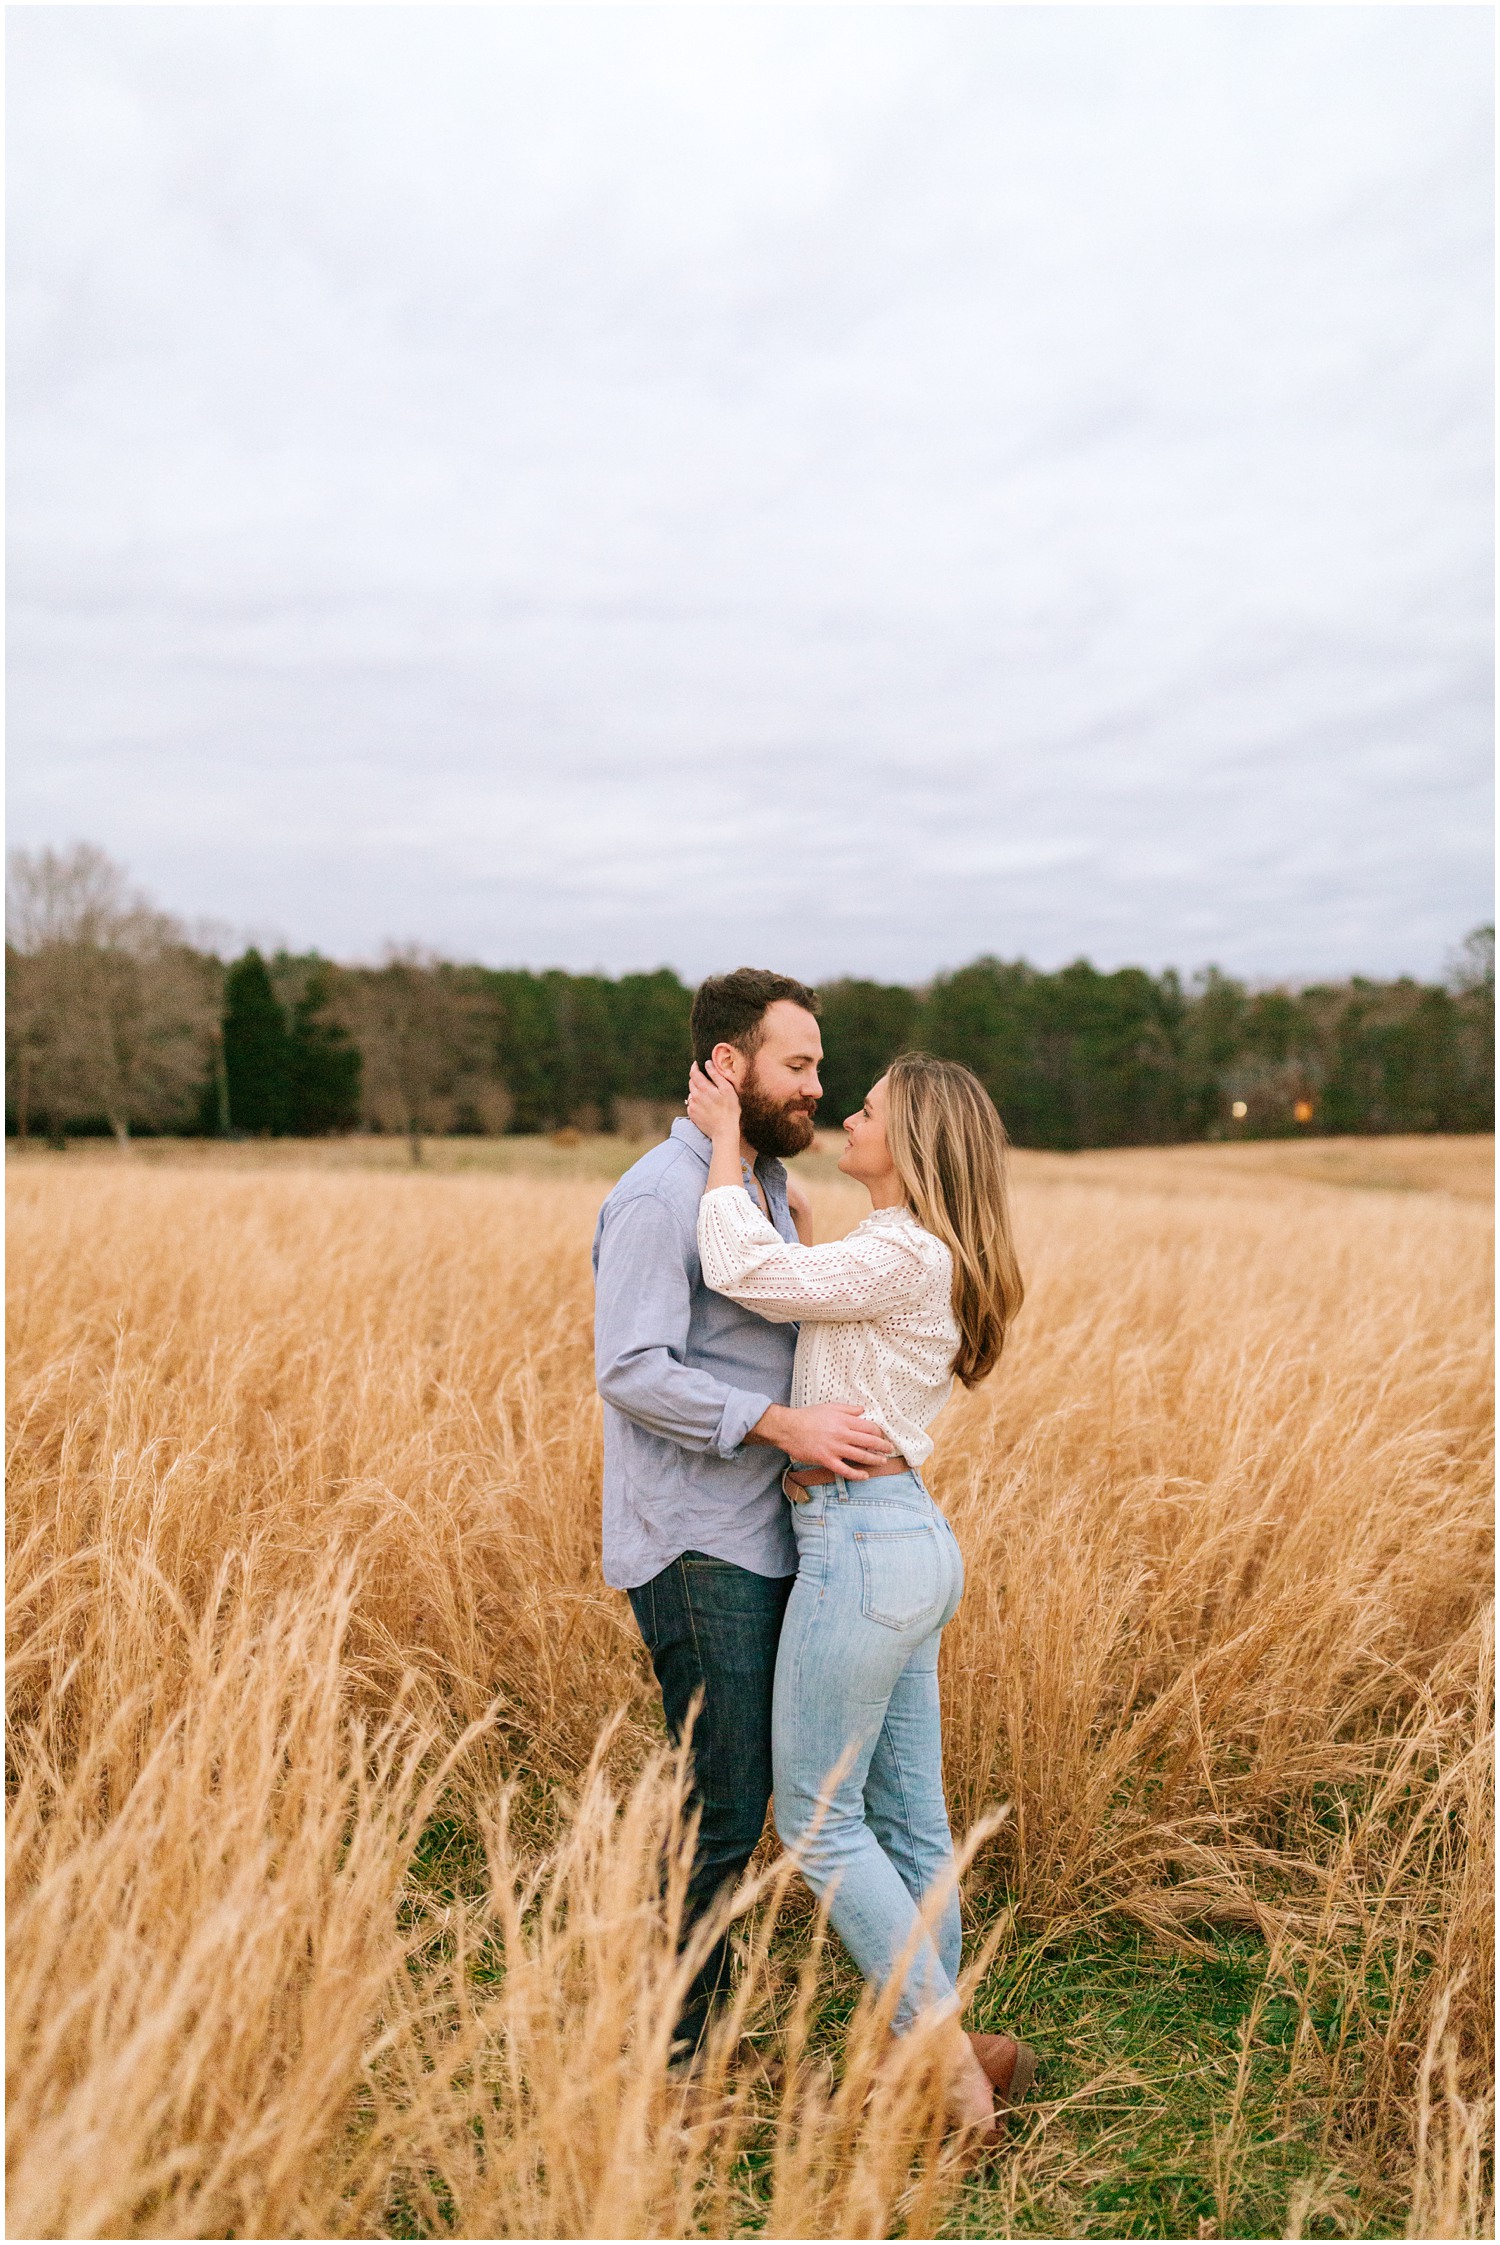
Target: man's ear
{"x": 730, "y": 1062}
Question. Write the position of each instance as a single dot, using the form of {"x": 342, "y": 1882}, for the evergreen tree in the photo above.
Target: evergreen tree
{"x": 588, "y": 1073}
{"x": 1420, "y": 1063}
{"x": 528, "y": 1047}
{"x": 257, "y": 1050}
{"x": 1210, "y": 1039}
{"x": 982, "y": 1017}
{"x": 1352, "y": 1098}
{"x": 651, "y": 1035}
{"x": 1115, "y": 1039}
{"x": 865, "y": 1025}
{"x": 325, "y": 1064}
{"x": 1474, "y": 984}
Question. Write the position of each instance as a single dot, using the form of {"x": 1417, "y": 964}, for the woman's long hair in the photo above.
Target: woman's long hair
{"x": 949, "y": 1148}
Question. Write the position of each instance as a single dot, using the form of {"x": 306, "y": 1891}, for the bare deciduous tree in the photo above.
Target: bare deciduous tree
{"x": 421, "y": 1035}
{"x": 108, "y": 1010}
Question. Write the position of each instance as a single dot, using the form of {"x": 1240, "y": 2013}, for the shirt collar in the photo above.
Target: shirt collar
{"x": 686, "y": 1133}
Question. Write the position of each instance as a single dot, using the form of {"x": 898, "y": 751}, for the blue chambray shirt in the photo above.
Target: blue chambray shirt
{"x": 684, "y": 1374}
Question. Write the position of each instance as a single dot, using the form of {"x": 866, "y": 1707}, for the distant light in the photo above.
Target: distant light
{"x": 1302, "y": 1112}
{"x": 1239, "y": 1110}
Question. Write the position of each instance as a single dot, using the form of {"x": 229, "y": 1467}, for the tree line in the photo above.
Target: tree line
{"x": 116, "y": 1021}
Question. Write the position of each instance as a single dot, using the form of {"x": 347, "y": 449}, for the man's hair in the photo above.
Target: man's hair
{"x": 730, "y": 1009}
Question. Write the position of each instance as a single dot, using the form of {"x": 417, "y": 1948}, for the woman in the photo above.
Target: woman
{"x": 923, "y": 1290}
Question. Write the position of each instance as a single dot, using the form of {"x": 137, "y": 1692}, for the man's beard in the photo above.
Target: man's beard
{"x": 779, "y": 1127}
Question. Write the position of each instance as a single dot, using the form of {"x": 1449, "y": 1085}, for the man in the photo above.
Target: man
{"x": 698, "y": 1430}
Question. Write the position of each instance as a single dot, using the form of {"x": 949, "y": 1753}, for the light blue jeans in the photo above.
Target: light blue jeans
{"x": 856, "y": 1733}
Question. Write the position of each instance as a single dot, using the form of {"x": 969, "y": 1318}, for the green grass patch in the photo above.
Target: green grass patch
{"x": 1166, "y": 2106}
{"x": 1135, "y": 2131}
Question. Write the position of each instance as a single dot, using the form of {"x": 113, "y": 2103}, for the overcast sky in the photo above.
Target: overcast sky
{"x": 844, "y": 489}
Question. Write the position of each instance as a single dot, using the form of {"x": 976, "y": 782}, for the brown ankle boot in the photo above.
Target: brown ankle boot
{"x": 1011, "y": 2065}
{"x": 969, "y": 2098}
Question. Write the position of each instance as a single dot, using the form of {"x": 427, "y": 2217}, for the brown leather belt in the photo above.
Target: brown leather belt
{"x": 817, "y": 1476}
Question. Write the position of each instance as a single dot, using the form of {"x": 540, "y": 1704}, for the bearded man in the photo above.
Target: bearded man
{"x": 698, "y": 1431}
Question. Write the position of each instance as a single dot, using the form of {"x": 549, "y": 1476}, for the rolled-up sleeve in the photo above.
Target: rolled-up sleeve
{"x": 643, "y": 1299}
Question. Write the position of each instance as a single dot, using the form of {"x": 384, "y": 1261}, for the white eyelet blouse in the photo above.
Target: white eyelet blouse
{"x": 876, "y": 1310}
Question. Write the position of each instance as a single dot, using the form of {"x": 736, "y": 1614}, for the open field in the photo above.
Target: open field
{"x": 331, "y": 1915}
{"x": 1461, "y": 1166}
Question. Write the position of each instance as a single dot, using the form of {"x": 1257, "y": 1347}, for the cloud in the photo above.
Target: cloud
{"x": 854, "y": 488}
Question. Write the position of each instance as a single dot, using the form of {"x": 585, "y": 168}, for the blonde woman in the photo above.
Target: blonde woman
{"x": 921, "y": 1292}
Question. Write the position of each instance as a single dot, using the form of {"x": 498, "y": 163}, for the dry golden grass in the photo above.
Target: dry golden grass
{"x": 304, "y": 1472}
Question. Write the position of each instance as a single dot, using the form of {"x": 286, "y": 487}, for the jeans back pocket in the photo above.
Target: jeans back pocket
{"x": 901, "y": 1575}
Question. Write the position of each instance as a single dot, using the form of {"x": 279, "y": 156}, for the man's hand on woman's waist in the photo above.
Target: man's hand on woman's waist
{"x": 835, "y": 1435}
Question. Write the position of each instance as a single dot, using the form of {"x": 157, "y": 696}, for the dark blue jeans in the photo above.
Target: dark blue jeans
{"x": 713, "y": 1627}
